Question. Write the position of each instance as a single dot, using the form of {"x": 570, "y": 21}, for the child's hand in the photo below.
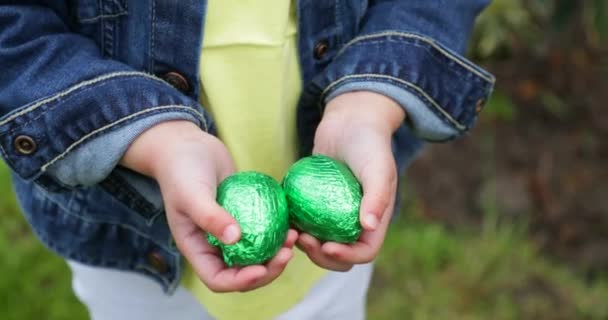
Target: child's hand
{"x": 188, "y": 165}
{"x": 357, "y": 128}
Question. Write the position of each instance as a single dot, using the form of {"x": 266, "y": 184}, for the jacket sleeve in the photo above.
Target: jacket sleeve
{"x": 57, "y": 92}
{"x": 411, "y": 51}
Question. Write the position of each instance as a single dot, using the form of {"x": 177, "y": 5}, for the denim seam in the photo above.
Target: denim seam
{"x": 437, "y": 57}
{"x": 66, "y": 100}
{"x": 152, "y": 37}
{"x": 337, "y": 16}
{"x": 42, "y": 192}
{"x": 4, "y": 154}
{"x": 101, "y": 30}
{"x": 430, "y": 41}
{"x": 12, "y": 131}
{"x": 76, "y": 87}
{"x": 419, "y": 91}
{"x": 110, "y": 125}
{"x": 103, "y": 16}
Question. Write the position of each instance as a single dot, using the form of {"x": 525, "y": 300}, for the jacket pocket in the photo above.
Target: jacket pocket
{"x": 117, "y": 190}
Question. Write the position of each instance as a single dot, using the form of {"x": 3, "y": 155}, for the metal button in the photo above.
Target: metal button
{"x": 25, "y": 145}
{"x": 321, "y": 49}
{"x": 480, "y": 104}
{"x": 157, "y": 262}
{"x": 177, "y": 80}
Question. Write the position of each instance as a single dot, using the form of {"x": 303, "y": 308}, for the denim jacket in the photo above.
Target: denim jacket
{"x": 81, "y": 79}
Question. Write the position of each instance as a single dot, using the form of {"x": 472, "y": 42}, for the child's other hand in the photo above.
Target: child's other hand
{"x": 188, "y": 165}
{"x": 357, "y": 128}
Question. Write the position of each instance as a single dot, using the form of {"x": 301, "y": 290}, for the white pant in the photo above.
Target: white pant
{"x": 118, "y": 295}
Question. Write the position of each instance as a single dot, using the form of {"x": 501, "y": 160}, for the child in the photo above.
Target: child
{"x": 116, "y": 168}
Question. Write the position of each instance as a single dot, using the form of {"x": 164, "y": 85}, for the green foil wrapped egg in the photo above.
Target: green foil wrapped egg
{"x": 324, "y": 198}
{"x": 258, "y": 204}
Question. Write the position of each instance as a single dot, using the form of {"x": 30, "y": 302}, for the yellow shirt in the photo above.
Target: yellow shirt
{"x": 251, "y": 83}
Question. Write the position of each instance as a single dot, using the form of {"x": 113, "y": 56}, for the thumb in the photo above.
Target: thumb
{"x": 197, "y": 202}
{"x": 379, "y": 180}
{"x": 214, "y": 219}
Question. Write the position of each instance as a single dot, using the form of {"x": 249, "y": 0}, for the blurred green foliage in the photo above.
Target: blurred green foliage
{"x": 34, "y": 284}
{"x": 495, "y": 271}
{"x": 507, "y": 25}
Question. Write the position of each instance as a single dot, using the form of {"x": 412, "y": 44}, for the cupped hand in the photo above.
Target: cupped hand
{"x": 188, "y": 165}
{"x": 357, "y": 128}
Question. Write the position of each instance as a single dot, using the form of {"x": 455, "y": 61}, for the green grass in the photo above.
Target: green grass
{"x": 34, "y": 283}
{"x": 424, "y": 272}
{"x": 428, "y": 272}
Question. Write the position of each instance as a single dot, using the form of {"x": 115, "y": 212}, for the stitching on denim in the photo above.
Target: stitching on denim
{"x": 336, "y": 15}
{"x": 152, "y": 219}
{"x": 76, "y": 87}
{"x": 430, "y": 41}
{"x": 419, "y": 90}
{"x": 152, "y": 36}
{"x": 415, "y": 93}
{"x": 103, "y": 16}
{"x": 67, "y": 99}
{"x": 437, "y": 57}
{"x": 43, "y": 193}
{"x": 438, "y": 111}
{"x": 99, "y": 130}
{"x": 4, "y": 154}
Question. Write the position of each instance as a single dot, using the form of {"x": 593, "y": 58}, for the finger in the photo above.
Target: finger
{"x": 356, "y": 253}
{"x": 379, "y": 181}
{"x": 206, "y": 262}
{"x": 365, "y": 249}
{"x": 312, "y": 247}
{"x": 275, "y": 268}
{"x": 277, "y": 264}
{"x": 210, "y": 216}
{"x": 292, "y": 237}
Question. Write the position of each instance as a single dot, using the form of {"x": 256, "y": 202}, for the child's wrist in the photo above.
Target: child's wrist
{"x": 366, "y": 107}
{"x": 148, "y": 152}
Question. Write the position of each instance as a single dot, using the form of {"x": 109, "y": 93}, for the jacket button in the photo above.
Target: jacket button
{"x": 480, "y": 104}
{"x": 25, "y": 145}
{"x": 157, "y": 262}
{"x": 177, "y": 81}
{"x": 321, "y": 49}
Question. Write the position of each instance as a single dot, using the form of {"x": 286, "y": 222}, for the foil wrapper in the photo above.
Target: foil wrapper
{"x": 324, "y": 198}
{"x": 258, "y": 204}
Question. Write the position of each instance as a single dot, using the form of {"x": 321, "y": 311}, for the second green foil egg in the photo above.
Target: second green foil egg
{"x": 324, "y": 198}
{"x": 258, "y": 204}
